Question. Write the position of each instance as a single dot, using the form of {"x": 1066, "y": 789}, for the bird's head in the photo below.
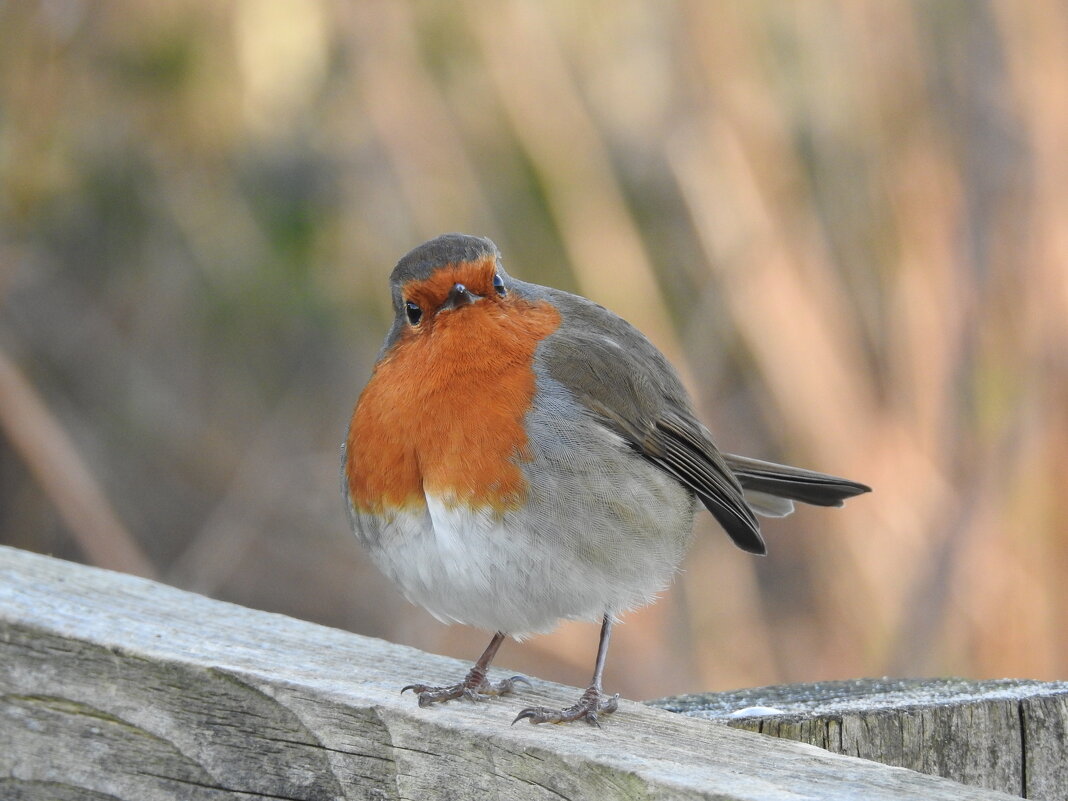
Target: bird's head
{"x": 442, "y": 278}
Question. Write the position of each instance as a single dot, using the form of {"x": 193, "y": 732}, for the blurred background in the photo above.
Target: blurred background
{"x": 846, "y": 223}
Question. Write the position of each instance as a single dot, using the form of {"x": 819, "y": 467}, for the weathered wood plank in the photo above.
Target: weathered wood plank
{"x": 113, "y": 687}
{"x": 1007, "y": 734}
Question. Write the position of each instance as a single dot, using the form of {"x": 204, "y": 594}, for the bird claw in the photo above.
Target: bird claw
{"x": 590, "y": 705}
{"x": 473, "y": 688}
{"x": 512, "y": 680}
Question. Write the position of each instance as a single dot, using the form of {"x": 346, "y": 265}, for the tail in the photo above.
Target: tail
{"x": 771, "y": 489}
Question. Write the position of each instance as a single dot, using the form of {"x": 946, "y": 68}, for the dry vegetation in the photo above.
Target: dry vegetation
{"x": 846, "y": 222}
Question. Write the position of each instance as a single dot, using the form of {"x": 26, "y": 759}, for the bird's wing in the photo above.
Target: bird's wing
{"x": 628, "y": 386}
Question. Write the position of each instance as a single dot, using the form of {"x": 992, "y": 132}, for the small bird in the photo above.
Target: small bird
{"x": 522, "y": 456}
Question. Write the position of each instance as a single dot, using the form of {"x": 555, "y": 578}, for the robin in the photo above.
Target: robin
{"x": 522, "y": 455}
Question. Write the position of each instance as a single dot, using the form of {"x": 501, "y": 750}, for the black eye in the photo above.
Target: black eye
{"x": 498, "y": 284}
{"x": 415, "y": 314}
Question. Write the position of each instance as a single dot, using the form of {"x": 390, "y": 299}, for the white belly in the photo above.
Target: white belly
{"x": 501, "y": 574}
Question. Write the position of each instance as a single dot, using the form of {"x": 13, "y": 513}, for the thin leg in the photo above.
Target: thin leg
{"x": 592, "y": 703}
{"x": 474, "y": 687}
{"x": 602, "y": 652}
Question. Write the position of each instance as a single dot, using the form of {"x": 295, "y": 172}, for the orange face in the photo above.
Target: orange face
{"x": 443, "y": 413}
{"x": 429, "y": 295}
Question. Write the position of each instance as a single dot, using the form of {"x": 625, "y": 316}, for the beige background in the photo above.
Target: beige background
{"x": 845, "y": 222}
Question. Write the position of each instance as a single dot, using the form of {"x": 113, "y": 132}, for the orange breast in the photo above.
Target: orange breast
{"x": 443, "y": 412}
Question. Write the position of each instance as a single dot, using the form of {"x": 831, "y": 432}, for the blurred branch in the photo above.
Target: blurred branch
{"x": 240, "y": 518}
{"x": 435, "y": 175}
{"x": 543, "y": 103}
{"x": 54, "y": 460}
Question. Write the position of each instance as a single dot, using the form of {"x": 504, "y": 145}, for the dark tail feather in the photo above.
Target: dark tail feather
{"x": 783, "y": 481}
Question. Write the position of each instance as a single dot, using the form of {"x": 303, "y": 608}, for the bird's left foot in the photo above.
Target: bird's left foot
{"x": 592, "y": 703}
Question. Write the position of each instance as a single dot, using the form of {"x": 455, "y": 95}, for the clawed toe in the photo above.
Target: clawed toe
{"x": 434, "y": 695}
{"x": 590, "y": 705}
{"x": 505, "y": 686}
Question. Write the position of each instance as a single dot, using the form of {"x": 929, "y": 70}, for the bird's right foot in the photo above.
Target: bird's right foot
{"x": 475, "y": 687}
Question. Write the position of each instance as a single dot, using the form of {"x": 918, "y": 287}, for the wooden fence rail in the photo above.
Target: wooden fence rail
{"x": 114, "y": 687}
{"x": 1006, "y": 734}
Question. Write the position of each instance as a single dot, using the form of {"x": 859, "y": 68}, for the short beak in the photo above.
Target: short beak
{"x": 459, "y": 296}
